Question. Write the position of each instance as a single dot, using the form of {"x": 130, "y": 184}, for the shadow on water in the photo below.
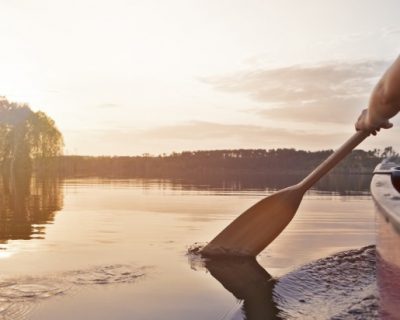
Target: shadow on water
{"x": 26, "y": 204}
{"x": 249, "y": 282}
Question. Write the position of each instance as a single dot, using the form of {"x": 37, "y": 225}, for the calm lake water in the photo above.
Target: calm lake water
{"x": 117, "y": 249}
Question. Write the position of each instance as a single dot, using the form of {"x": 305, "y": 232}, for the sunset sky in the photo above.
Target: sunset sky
{"x": 132, "y": 77}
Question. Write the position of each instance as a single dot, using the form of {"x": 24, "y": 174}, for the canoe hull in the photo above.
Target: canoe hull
{"x": 387, "y": 202}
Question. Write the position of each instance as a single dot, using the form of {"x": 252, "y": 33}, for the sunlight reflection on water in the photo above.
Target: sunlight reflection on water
{"x": 95, "y": 223}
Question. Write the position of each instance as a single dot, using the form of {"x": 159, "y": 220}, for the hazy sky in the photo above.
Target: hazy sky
{"x": 132, "y": 77}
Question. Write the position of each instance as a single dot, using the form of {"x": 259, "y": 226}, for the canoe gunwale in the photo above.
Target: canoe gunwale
{"x": 384, "y": 193}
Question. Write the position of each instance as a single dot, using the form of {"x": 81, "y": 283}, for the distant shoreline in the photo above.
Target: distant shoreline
{"x": 214, "y": 162}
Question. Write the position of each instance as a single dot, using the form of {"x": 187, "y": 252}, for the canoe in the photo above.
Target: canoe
{"x": 385, "y": 189}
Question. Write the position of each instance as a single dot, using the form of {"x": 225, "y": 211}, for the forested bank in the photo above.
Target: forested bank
{"x": 225, "y": 162}
{"x": 30, "y": 142}
{"x": 26, "y": 136}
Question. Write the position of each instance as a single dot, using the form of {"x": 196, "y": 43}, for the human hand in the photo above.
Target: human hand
{"x": 365, "y": 123}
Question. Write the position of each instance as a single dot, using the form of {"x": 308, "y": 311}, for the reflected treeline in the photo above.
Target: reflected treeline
{"x": 26, "y": 204}
{"x": 340, "y": 184}
{"x": 345, "y": 184}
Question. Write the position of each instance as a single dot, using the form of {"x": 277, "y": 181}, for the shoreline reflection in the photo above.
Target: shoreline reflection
{"x": 27, "y": 204}
{"x": 334, "y": 184}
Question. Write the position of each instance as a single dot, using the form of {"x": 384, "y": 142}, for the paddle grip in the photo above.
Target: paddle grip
{"x": 333, "y": 159}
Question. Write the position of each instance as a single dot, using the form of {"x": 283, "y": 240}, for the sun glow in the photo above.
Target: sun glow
{"x": 131, "y": 69}
{"x": 4, "y": 253}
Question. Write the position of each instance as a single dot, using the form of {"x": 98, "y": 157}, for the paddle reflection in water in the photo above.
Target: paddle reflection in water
{"x": 340, "y": 286}
{"x": 26, "y": 204}
{"x": 247, "y": 281}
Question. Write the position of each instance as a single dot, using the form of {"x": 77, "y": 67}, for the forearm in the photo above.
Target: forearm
{"x": 385, "y": 99}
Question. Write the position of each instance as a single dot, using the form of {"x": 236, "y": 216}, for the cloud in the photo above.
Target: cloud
{"x": 211, "y": 136}
{"x": 217, "y": 135}
{"x": 325, "y": 110}
{"x": 390, "y": 31}
{"x": 326, "y": 92}
{"x": 107, "y": 105}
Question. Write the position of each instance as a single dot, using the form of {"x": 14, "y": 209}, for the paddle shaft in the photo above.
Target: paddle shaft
{"x": 333, "y": 159}
{"x": 258, "y": 226}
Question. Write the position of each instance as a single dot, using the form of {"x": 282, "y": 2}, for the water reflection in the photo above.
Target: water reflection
{"x": 131, "y": 222}
{"x": 26, "y": 205}
{"x": 332, "y": 183}
{"x": 247, "y": 281}
{"x": 319, "y": 289}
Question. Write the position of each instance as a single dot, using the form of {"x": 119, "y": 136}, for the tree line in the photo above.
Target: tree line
{"x": 219, "y": 162}
{"x": 26, "y": 135}
{"x": 30, "y": 141}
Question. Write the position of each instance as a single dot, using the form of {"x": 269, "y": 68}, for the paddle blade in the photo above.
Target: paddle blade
{"x": 257, "y": 227}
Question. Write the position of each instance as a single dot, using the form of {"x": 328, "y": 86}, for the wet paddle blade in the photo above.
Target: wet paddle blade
{"x": 257, "y": 227}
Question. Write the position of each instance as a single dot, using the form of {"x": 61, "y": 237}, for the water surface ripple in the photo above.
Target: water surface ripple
{"x": 19, "y": 295}
{"x": 341, "y": 286}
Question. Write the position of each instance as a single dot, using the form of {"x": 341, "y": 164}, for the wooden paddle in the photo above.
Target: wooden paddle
{"x": 257, "y": 227}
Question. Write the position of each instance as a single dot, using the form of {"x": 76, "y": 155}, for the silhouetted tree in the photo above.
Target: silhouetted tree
{"x": 26, "y": 135}
{"x": 389, "y": 152}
